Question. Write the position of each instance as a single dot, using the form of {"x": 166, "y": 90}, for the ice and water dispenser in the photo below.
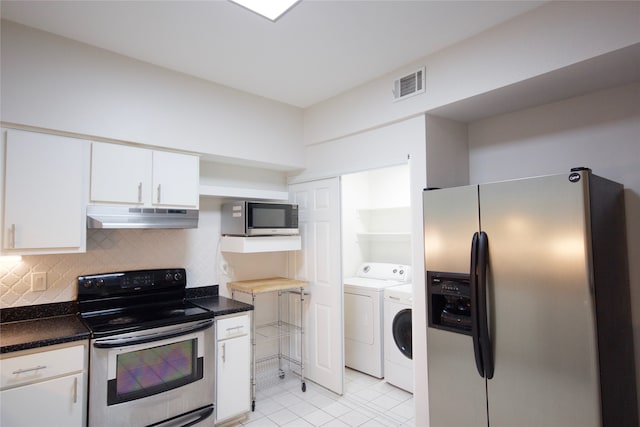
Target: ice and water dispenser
{"x": 449, "y": 301}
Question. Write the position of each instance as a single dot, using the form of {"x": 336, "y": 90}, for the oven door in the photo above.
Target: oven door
{"x": 153, "y": 377}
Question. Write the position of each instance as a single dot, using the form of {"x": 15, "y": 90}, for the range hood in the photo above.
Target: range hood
{"x": 128, "y": 217}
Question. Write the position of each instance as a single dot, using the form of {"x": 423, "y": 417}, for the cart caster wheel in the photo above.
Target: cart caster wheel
{"x": 281, "y": 375}
{"x": 304, "y": 387}
{"x": 253, "y": 406}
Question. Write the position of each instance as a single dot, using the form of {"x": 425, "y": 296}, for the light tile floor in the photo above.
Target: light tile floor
{"x": 367, "y": 402}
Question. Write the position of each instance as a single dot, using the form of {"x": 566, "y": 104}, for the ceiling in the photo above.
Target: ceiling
{"x": 317, "y": 50}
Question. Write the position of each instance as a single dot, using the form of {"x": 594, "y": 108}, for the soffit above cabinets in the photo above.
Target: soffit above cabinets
{"x": 612, "y": 69}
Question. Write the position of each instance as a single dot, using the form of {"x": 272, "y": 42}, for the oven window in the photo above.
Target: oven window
{"x": 154, "y": 370}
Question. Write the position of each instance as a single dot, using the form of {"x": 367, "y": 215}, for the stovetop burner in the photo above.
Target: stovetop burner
{"x": 116, "y": 303}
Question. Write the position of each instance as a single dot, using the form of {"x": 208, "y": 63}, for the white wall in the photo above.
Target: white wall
{"x": 598, "y": 130}
{"x": 447, "y": 153}
{"x": 385, "y": 146}
{"x": 56, "y": 83}
{"x": 555, "y": 35}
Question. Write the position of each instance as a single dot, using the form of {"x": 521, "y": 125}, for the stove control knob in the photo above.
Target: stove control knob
{"x": 100, "y": 283}
{"x": 173, "y": 276}
{"x": 88, "y": 284}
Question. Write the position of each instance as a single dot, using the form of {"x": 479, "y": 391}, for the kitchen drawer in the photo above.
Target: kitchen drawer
{"x": 39, "y": 366}
{"x": 230, "y": 327}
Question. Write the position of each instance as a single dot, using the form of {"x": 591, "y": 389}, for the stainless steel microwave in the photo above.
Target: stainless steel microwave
{"x": 246, "y": 218}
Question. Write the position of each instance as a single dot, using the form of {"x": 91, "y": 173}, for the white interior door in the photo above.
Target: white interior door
{"x": 319, "y": 262}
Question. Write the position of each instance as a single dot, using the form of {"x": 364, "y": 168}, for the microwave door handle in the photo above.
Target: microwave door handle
{"x": 143, "y": 339}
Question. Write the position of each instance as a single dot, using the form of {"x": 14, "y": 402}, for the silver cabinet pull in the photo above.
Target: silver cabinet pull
{"x": 159, "y": 193}
{"x": 75, "y": 390}
{"x": 224, "y": 352}
{"x": 140, "y": 192}
{"x": 22, "y": 371}
{"x": 12, "y": 236}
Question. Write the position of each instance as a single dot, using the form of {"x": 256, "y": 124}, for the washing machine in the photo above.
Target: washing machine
{"x": 363, "y": 314}
{"x": 398, "y": 355}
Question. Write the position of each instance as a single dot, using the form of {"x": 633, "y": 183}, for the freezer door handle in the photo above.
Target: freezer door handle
{"x": 475, "y": 330}
{"x": 483, "y": 320}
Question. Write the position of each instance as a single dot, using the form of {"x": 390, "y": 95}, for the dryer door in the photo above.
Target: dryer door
{"x": 401, "y": 328}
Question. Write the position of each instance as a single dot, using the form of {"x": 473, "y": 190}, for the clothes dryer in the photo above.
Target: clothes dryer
{"x": 363, "y": 314}
{"x": 398, "y": 353}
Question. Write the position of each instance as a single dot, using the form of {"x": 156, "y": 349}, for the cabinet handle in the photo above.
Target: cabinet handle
{"x": 22, "y": 371}
{"x": 159, "y": 193}
{"x": 224, "y": 352}
{"x": 12, "y": 236}
{"x": 139, "y": 192}
{"x": 75, "y": 390}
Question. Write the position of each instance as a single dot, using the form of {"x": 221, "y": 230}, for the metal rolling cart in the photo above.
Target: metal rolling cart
{"x": 279, "y": 329}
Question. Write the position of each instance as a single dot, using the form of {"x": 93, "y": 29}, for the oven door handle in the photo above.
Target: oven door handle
{"x": 202, "y": 414}
{"x": 142, "y": 339}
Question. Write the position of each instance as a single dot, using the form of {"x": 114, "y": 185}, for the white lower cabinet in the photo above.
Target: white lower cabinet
{"x": 47, "y": 388}
{"x": 233, "y": 366}
{"x": 49, "y": 403}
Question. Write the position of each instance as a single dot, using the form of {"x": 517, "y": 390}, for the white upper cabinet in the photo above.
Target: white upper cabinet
{"x": 176, "y": 179}
{"x": 45, "y": 193}
{"x": 122, "y": 174}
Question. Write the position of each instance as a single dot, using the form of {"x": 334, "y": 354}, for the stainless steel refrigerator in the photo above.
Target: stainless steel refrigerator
{"x": 529, "y": 319}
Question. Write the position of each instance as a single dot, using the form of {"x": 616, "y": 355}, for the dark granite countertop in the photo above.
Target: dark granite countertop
{"x": 207, "y": 297}
{"x": 41, "y": 332}
{"x": 221, "y": 305}
{"x": 23, "y": 328}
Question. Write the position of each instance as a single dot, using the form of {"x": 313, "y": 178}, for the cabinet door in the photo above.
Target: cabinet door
{"x": 233, "y": 381}
{"x": 58, "y": 402}
{"x": 45, "y": 193}
{"x": 175, "y": 179}
{"x": 120, "y": 174}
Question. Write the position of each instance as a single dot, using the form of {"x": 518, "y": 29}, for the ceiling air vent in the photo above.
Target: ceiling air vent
{"x": 409, "y": 85}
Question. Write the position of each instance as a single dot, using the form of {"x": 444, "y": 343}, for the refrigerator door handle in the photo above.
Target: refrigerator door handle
{"x": 483, "y": 321}
{"x": 475, "y": 330}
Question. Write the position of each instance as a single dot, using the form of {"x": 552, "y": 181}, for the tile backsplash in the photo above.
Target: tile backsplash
{"x": 118, "y": 250}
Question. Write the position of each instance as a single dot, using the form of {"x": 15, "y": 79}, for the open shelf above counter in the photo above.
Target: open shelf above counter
{"x": 260, "y": 244}
{"x": 242, "y": 193}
